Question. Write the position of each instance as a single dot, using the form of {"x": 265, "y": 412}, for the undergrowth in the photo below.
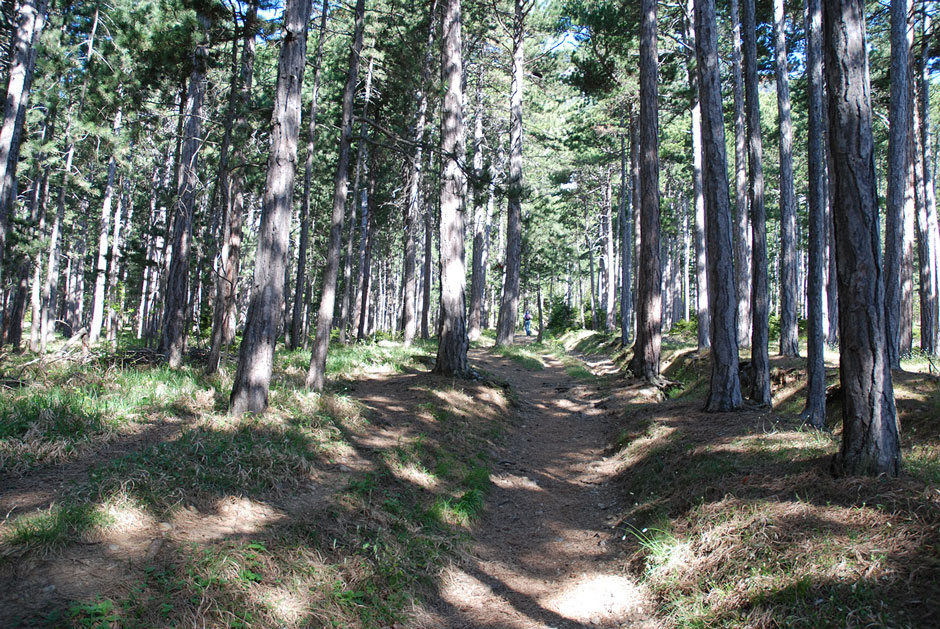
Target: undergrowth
{"x": 322, "y": 544}
{"x": 735, "y": 520}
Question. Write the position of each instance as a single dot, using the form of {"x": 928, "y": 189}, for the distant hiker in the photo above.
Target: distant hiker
{"x": 527, "y": 319}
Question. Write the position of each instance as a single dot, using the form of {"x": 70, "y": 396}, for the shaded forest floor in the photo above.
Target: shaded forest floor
{"x": 552, "y": 492}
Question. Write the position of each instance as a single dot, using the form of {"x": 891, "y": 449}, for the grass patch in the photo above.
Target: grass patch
{"x": 524, "y": 355}
{"x": 321, "y": 544}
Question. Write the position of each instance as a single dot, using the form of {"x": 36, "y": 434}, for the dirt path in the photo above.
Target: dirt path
{"x": 544, "y": 553}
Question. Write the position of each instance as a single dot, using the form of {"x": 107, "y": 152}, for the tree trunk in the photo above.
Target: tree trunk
{"x": 742, "y": 226}
{"x": 725, "y": 391}
{"x": 409, "y": 323}
{"x": 610, "y": 284}
{"x": 101, "y": 266}
{"x": 870, "y": 442}
{"x": 364, "y": 276}
{"x": 233, "y": 201}
{"x": 297, "y": 318}
{"x": 478, "y": 269}
{"x": 114, "y": 268}
{"x": 509, "y": 304}
{"x": 30, "y": 19}
{"x": 176, "y": 303}
{"x": 256, "y": 355}
{"x": 645, "y": 361}
{"x": 815, "y": 412}
{"x": 453, "y": 341}
{"x": 789, "y": 331}
{"x": 760, "y": 302}
{"x": 898, "y": 155}
{"x": 316, "y": 373}
{"x": 928, "y": 241}
{"x": 426, "y": 275}
{"x": 626, "y": 238}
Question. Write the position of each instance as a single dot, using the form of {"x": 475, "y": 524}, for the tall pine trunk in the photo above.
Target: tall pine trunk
{"x": 173, "y": 339}
{"x": 760, "y": 300}
{"x": 789, "y": 276}
{"x": 898, "y": 156}
{"x": 316, "y": 373}
{"x": 725, "y": 390}
{"x": 626, "y": 243}
{"x": 646, "y": 350}
{"x": 297, "y": 316}
{"x": 452, "y": 341}
{"x": 232, "y": 176}
{"x": 478, "y": 268}
{"x": 30, "y": 19}
{"x": 256, "y": 355}
{"x": 815, "y": 412}
{"x": 870, "y": 443}
{"x": 101, "y": 265}
{"x": 742, "y": 223}
{"x": 509, "y": 304}
{"x": 698, "y": 195}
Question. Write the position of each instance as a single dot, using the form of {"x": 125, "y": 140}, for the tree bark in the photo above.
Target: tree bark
{"x": 760, "y": 302}
{"x": 101, "y": 266}
{"x": 316, "y": 373}
{"x": 870, "y": 442}
{"x": 297, "y": 318}
{"x": 815, "y": 412}
{"x": 30, "y": 19}
{"x": 453, "y": 341}
{"x": 898, "y": 156}
{"x": 742, "y": 226}
{"x": 173, "y": 340}
{"x": 646, "y": 350}
{"x": 725, "y": 390}
{"x": 928, "y": 240}
{"x": 789, "y": 276}
{"x": 701, "y": 261}
{"x": 509, "y": 304}
{"x": 478, "y": 270}
{"x": 409, "y": 280}
{"x": 626, "y": 238}
{"x": 256, "y": 355}
{"x": 231, "y": 184}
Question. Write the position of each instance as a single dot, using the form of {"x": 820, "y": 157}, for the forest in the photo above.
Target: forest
{"x": 469, "y": 313}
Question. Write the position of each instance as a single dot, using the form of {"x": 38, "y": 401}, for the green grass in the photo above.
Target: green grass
{"x": 364, "y": 547}
{"x": 525, "y": 355}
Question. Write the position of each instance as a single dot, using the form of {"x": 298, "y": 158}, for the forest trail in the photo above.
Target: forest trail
{"x": 542, "y": 554}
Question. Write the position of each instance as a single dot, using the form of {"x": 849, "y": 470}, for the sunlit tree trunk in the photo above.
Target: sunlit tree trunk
{"x": 626, "y": 243}
{"x": 256, "y": 354}
{"x": 233, "y": 202}
{"x": 452, "y": 340}
{"x": 30, "y": 19}
{"x": 725, "y": 390}
{"x": 789, "y": 276}
{"x": 316, "y": 373}
{"x": 509, "y": 305}
{"x": 646, "y": 350}
{"x": 101, "y": 266}
{"x": 898, "y": 155}
{"x": 870, "y": 442}
{"x": 742, "y": 223}
{"x": 297, "y": 318}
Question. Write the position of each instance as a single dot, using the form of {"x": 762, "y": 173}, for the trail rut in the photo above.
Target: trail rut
{"x": 544, "y": 554}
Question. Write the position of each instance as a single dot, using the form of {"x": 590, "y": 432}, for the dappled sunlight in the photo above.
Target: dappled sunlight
{"x": 231, "y": 515}
{"x": 596, "y": 598}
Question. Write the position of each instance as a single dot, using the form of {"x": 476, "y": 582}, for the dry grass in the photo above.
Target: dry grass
{"x": 735, "y": 520}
